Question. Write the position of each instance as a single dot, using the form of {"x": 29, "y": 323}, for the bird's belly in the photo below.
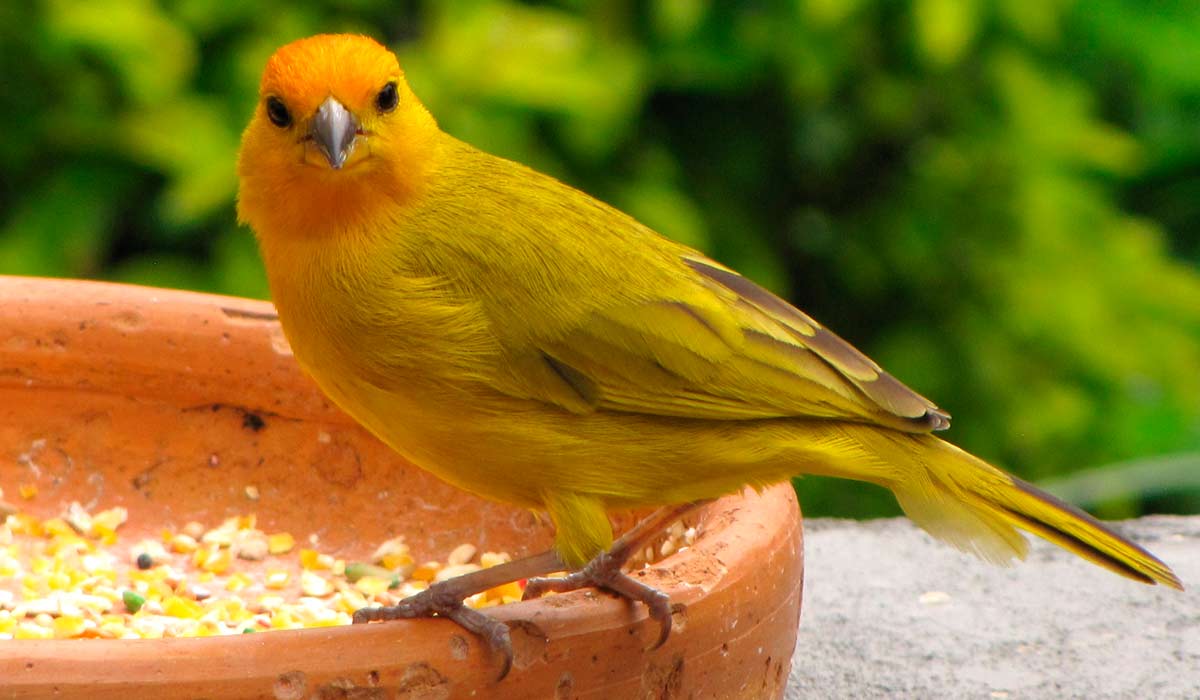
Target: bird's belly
{"x": 519, "y": 452}
{"x": 420, "y": 431}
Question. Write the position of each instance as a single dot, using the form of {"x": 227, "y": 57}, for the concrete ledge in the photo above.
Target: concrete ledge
{"x": 890, "y": 613}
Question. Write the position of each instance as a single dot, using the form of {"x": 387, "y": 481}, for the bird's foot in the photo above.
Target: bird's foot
{"x": 604, "y": 572}
{"x": 445, "y": 599}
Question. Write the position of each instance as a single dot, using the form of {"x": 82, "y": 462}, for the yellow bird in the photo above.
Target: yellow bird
{"x": 530, "y": 344}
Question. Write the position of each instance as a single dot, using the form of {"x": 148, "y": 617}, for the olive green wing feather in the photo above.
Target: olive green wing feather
{"x": 711, "y": 344}
{"x": 797, "y": 338}
{"x": 589, "y": 310}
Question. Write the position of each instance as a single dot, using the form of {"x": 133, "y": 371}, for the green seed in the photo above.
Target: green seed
{"x": 357, "y": 569}
{"x": 133, "y": 600}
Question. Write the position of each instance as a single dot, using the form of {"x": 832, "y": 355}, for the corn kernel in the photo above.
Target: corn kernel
{"x": 107, "y": 521}
{"x": 68, "y": 626}
{"x": 426, "y": 571}
{"x": 57, "y": 526}
{"x": 233, "y": 610}
{"x": 223, "y": 534}
{"x": 280, "y": 543}
{"x": 395, "y": 545}
{"x": 511, "y": 590}
{"x": 372, "y": 585}
{"x": 314, "y": 560}
{"x": 314, "y": 584}
{"x": 218, "y": 561}
{"x": 148, "y": 628}
{"x": 308, "y": 558}
{"x": 283, "y": 619}
{"x": 348, "y": 601}
{"x": 110, "y": 628}
{"x": 313, "y": 613}
{"x": 27, "y": 491}
{"x": 25, "y": 524}
{"x": 489, "y": 559}
{"x": 277, "y": 579}
{"x": 269, "y": 603}
{"x": 105, "y": 535}
{"x": 32, "y": 630}
{"x": 159, "y": 590}
{"x": 400, "y": 562}
{"x": 175, "y": 606}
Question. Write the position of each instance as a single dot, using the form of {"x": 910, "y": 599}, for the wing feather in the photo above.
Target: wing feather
{"x": 687, "y": 338}
{"x": 724, "y": 348}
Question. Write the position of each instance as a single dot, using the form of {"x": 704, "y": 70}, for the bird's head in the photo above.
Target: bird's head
{"x": 336, "y": 126}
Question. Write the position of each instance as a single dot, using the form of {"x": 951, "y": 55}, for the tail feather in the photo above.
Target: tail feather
{"x": 1090, "y": 539}
{"x": 978, "y": 508}
{"x": 963, "y": 521}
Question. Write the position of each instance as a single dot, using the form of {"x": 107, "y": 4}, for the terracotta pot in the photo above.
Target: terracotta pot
{"x": 171, "y": 403}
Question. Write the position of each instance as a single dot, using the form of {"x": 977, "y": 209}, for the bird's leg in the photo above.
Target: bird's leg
{"x": 445, "y": 599}
{"x": 604, "y": 571}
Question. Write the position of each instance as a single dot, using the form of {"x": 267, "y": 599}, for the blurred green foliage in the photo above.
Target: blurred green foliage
{"x": 997, "y": 199}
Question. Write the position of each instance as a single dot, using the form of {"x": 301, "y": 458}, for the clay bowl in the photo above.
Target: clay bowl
{"x": 172, "y": 403}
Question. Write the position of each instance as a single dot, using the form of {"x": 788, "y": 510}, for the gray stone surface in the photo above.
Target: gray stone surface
{"x": 889, "y": 613}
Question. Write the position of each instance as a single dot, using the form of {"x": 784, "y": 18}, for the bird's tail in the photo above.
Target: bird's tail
{"x": 978, "y": 508}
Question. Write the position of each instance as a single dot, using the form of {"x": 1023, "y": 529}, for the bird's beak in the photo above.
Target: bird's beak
{"x": 334, "y": 130}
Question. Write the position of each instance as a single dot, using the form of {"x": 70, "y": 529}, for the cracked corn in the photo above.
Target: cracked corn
{"x": 62, "y": 577}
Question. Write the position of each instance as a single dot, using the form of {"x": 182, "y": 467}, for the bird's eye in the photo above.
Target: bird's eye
{"x": 278, "y": 112}
{"x": 387, "y": 98}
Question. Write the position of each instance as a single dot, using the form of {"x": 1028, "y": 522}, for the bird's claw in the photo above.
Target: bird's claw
{"x": 442, "y": 602}
{"x": 494, "y": 631}
{"x": 604, "y": 572}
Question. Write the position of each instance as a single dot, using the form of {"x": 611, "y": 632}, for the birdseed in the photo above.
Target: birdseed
{"x": 67, "y": 577}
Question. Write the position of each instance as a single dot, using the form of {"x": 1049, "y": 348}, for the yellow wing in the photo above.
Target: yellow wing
{"x": 715, "y": 346}
{"x": 590, "y": 310}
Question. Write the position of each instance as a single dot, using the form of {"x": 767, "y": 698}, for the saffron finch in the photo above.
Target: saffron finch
{"x": 530, "y": 344}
